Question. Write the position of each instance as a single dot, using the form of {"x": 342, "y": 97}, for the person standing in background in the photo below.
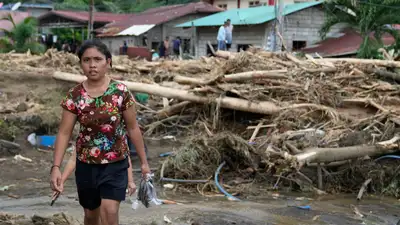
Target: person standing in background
{"x": 228, "y": 31}
{"x": 221, "y": 38}
{"x": 177, "y": 46}
{"x": 125, "y": 48}
{"x": 163, "y": 50}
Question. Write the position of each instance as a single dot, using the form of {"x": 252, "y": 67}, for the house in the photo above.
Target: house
{"x": 77, "y": 19}
{"x": 34, "y": 9}
{"x": 254, "y": 26}
{"x": 150, "y": 27}
{"x": 346, "y": 45}
{"x": 18, "y": 17}
{"x": 240, "y": 4}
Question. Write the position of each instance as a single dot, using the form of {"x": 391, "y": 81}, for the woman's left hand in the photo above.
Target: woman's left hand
{"x": 145, "y": 169}
{"x": 131, "y": 188}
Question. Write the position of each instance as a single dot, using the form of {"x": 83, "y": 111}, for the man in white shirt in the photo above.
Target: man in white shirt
{"x": 221, "y": 38}
{"x": 228, "y": 31}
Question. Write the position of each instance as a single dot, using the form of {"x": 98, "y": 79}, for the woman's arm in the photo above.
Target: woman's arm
{"x": 136, "y": 137}
{"x": 64, "y": 134}
{"x": 70, "y": 167}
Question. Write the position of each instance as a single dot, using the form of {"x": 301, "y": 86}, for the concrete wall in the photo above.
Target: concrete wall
{"x": 304, "y": 26}
{"x": 246, "y": 35}
{"x": 114, "y": 43}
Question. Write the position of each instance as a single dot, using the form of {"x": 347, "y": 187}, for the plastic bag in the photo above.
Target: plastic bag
{"x": 147, "y": 193}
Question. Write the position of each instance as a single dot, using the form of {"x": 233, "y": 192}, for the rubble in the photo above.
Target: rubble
{"x": 269, "y": 116}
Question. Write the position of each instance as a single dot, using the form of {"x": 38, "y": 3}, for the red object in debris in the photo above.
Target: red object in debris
{"x": 137, "y": 52}
{"x": 271, "y": 2}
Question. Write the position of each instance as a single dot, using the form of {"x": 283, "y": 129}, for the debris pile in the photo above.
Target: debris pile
{"x": 56, "y": 219}
{"x": 269, "y": 116}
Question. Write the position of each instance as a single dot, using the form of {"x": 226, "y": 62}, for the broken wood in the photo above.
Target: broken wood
{"x": 263, "y": 107}
{"x": 378, "y": 62}
{"x": 362, "y": 189}
{"x": 268, "y": 74}
{"x": 326, "y": 155}
{"x": 172, "y": 110}
{"x": 225, "y": 54}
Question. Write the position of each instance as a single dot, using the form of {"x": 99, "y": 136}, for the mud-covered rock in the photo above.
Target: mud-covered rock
{"x": 22, "y": 107}
{"x": 8, "y": 148}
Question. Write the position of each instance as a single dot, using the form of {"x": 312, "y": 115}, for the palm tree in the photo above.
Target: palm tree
{"x": 21, "y": 37}
{"x": 366, "y": 17}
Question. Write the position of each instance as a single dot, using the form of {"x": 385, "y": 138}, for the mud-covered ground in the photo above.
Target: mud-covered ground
{"x": 29, "y": 194}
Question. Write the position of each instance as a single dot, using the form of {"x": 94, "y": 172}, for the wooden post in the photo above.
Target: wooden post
{"x": 192, "y": 40}
{"x": 90, "y": 25}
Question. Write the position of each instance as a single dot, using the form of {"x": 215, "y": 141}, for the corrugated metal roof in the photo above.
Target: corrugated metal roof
{"x": 157, "y": 16}
{"x": 82, "y": 16}
{"x": 17, "y": 16}
{"x": 136, "y": 30}
{"x": 348, "y": 43}
{"x": 247, "y": 16}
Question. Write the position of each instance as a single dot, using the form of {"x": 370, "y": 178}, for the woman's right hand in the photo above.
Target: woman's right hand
{"x": 55, "y": 180}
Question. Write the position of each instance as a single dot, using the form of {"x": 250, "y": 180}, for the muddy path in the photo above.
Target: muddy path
{"x": 29, "y": 194}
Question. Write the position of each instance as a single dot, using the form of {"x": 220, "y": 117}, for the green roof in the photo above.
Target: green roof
{"x": 248, "y": 16}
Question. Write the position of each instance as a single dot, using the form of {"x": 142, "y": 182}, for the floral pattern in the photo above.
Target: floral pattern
{"x": 102, "y": 135}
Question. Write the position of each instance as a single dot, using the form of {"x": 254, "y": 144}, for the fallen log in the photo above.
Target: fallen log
{"x": 225, "y": 54}
{"x": 263, "y": 107}
{"x": 267, "y": 74}
{"x": 378, "y": 62}
{"x": 326, "y": 155}
{"x": 172, "y": 110}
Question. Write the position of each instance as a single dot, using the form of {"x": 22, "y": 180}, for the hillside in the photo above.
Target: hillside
{"x": 117, "y": 6}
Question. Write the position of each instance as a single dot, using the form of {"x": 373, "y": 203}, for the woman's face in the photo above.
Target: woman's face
{"x": 94, "y": 64}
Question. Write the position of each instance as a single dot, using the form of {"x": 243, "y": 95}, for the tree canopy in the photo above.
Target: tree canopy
{"x": 116, "y": 6}
{"x": 367, "y": 17}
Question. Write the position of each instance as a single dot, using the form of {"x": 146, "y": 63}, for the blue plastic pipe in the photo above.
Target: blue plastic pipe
{"x": 220, "y": 188}
{"x": 388, "y": 156}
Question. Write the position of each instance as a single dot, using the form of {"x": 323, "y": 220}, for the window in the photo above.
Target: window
{"x": 242, "y": 47}
{"x": 254, "y": 3}
{"x": 209, "y": 52}
{"x": 297, "y": 45}
{"x": 271, "y": 2}
{"x": 223, "y": 6}
{"x": 155, "y": 45}
{"x": 185, "y": 45}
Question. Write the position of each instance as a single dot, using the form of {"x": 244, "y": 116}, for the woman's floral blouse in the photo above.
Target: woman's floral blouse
{"x": 102, "y": 136}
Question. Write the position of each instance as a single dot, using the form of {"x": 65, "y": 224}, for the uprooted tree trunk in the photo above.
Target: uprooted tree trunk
{"x": 326, "y": 155}
{"x": 267, "y": 74}
{"x": 262, "y": 107}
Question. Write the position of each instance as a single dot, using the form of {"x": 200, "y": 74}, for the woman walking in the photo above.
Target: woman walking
{"x": 106, "y": 112}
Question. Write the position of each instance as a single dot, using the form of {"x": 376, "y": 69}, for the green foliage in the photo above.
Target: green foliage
{"x": 68, "y": 34}
{"x": 21, "y": 37}
{"x": 365, "y": 17}
{"x": 116, "y": 6}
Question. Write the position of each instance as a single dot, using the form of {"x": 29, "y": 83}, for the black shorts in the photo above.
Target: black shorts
{"x": 101, "y": 181}
{"x": 176, "y": 52}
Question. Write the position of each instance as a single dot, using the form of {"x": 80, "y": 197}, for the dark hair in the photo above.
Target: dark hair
{"x": 95, "y": 43}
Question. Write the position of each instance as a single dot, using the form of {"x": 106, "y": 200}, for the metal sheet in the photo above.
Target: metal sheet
{"x": 136, "y": 30}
